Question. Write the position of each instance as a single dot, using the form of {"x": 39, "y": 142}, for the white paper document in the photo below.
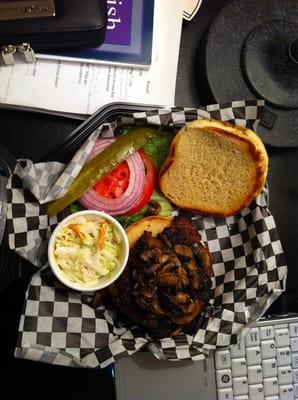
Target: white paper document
{"x": 82, "y": 88}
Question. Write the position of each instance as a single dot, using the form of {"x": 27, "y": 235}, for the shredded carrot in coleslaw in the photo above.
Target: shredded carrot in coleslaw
{"x": 87, "y": 249}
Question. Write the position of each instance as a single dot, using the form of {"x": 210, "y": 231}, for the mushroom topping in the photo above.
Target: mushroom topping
{"x": 184, "y": 252}
{"x": 153, "y": 208}
{"x": 167, "y": 281}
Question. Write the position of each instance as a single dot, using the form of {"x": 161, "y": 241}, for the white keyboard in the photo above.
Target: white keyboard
{"x": 263, "y": 366}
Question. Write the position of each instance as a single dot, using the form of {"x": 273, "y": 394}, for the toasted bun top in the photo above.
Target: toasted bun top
{"x": 214, "y": 168}
{"x": 155, "y": 224}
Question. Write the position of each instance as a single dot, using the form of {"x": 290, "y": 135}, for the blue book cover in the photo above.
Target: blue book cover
{"x": 128, "y": 39}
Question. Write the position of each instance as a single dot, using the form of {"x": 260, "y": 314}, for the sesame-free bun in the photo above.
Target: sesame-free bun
{"x": 154, "y": 224}
{"x": 214, "y": 168}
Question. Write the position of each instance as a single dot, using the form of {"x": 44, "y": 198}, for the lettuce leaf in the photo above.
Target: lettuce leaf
{"x": 157, "y": 148}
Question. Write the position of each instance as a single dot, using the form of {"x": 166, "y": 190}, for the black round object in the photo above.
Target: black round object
{"x": 222, "y": 62}
{"x": 268, "y": 63}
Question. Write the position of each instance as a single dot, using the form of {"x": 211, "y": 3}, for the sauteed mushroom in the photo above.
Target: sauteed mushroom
{"x": 167, "y": 281}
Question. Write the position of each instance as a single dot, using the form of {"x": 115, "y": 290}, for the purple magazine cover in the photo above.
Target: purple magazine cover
{"x": 118, "y": 30}
{"x": 128, "y": 38}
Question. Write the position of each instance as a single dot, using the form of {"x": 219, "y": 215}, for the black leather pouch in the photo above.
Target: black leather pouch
{"x": 28, "y": 25}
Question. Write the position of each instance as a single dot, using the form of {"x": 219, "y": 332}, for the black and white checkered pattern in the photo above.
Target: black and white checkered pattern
{"x": 60, "y": 326}
{"x": 64, "y": 325}
{"x": 243, "y": 113}
{"x": 28, "y": 191}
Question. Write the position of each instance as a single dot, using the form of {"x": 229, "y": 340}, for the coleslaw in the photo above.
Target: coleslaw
{"x": 88, "y": 248}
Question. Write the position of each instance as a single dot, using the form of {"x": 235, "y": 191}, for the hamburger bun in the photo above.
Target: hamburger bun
{"x": 214, "y": 168}
{"x": 154, "y": 224}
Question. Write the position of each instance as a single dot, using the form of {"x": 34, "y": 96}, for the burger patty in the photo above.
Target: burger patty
{"x": 166, "y": 283}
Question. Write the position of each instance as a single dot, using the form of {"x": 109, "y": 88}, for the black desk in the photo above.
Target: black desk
{"x": 33, "y": 135}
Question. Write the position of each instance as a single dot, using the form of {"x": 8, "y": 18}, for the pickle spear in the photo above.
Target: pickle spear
{"x": 101, "y": 164}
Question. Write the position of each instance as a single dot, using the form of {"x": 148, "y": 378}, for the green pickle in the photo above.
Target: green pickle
{"x": 101, "y": 164}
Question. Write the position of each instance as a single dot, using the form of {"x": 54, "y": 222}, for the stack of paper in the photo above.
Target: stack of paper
{"x": 81, "y": 88}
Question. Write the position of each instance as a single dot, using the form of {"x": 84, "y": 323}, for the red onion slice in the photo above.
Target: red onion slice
{"x": 93, "y": 201}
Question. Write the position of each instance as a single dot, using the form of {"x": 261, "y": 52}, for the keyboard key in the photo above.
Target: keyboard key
{"x": 294, "y": 344}
{"x": 295, "y": 360}
{"x": 295, "y": 375}
{"x": 244, "y": 397}
{"x": 293, "y": 328}
{"x": 285, "y": 375}
{"x": 283, "y": 356}
{"x": 270, "y": 386}
{"x": 238, "y": 350}
{"x": 268, "y": 349}
{"x": 296, "y": 390}
{"x": 266, "y": 332}
{"x": 252, "y": 338}
{"x": 225, "y": 394}
{"x": 282, "y": 337}
{"x": 286, "y": 392}
{"x": 253, "y": 355}
{"x": 254, "y": 374}
{"x": 256, "y": 392}
{"x": 280, "y": 326}
{"x": 269, "y": 368}
{"x": 240, "y": 386}
{"x": 272, "y": 398}
{"x": 223, "y": 378}
{"x": 222, "y": 359}
{"x": 239, "y": 367}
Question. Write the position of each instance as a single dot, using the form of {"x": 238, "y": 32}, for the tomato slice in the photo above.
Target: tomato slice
{"x": 150, "y": 181}
{"x": 115, "y": 183}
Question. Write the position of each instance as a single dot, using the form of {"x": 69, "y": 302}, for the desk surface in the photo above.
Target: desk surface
{"x": 33, "y": 135}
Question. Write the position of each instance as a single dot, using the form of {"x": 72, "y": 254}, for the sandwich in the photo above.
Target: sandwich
{"x": 167, "y": 282}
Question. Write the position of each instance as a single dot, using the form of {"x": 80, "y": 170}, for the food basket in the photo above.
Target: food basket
{"x": 61, "y": 326}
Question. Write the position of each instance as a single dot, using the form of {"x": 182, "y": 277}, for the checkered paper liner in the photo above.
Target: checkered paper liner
{"x": 60, "y": 326}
